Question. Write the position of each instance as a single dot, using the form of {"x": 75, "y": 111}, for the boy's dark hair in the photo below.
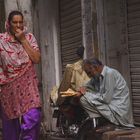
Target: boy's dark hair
{"x": 80, "y": 51}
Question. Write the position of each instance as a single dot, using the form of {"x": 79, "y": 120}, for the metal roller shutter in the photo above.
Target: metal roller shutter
{"x": 133, "y": 20}
{"x": 70, "y": 30}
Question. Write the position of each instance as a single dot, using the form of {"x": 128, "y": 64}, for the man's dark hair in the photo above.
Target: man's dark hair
{"x": 93, "y": 61}
{"x": 80, "y": 51}
{"x": 13, "y": 13}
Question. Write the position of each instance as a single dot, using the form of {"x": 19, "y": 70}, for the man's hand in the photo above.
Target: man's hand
{"x": 82, "y": 90}
{"x": 78, "y": 94}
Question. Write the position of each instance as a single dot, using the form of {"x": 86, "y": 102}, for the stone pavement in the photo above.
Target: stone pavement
{"x": 133, "y": 134}
{"x": 58, "y": 138}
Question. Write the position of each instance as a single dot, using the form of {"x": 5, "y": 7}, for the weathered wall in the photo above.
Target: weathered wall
{"x": 48, "y": 22}
{"x": 112, "y": 32}
{"x": 89, "y": 23}
{"x": 116, "y": 35}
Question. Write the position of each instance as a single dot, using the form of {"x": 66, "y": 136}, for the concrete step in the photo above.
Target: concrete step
{"x": 133, "y": 134}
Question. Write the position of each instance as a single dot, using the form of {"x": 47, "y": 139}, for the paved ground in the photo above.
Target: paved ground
{"x": 57, "y": 138}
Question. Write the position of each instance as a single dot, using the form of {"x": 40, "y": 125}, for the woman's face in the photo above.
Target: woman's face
{"x": 16, "y": 23}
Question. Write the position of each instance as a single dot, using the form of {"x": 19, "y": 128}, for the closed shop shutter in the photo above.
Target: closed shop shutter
{"x": 133, "y": 20}
{"x": 70, "y": 30}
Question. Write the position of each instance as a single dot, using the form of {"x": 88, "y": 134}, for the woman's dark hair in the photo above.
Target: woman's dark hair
{"x": 13, "y": 13}
{"x": 93, "y": 61}
{"x": 80, "y": 51}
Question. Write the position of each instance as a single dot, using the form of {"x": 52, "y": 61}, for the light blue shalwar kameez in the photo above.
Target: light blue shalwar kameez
{"x": 109, "y": 96}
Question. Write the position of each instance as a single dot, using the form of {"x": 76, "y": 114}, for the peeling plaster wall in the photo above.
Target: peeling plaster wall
{"x": 89, "y": 23}
{"x": 48, "y": 23}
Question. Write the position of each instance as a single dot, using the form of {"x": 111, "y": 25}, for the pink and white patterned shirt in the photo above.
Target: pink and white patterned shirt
{"x": 18, "y": 80}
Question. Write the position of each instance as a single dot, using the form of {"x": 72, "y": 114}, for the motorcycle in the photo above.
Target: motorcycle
{"x": 73, "y": 121}
{"x": 69, "y": 117}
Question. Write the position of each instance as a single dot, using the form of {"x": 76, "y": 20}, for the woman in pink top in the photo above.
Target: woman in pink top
{"x": 19, "y": 95}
